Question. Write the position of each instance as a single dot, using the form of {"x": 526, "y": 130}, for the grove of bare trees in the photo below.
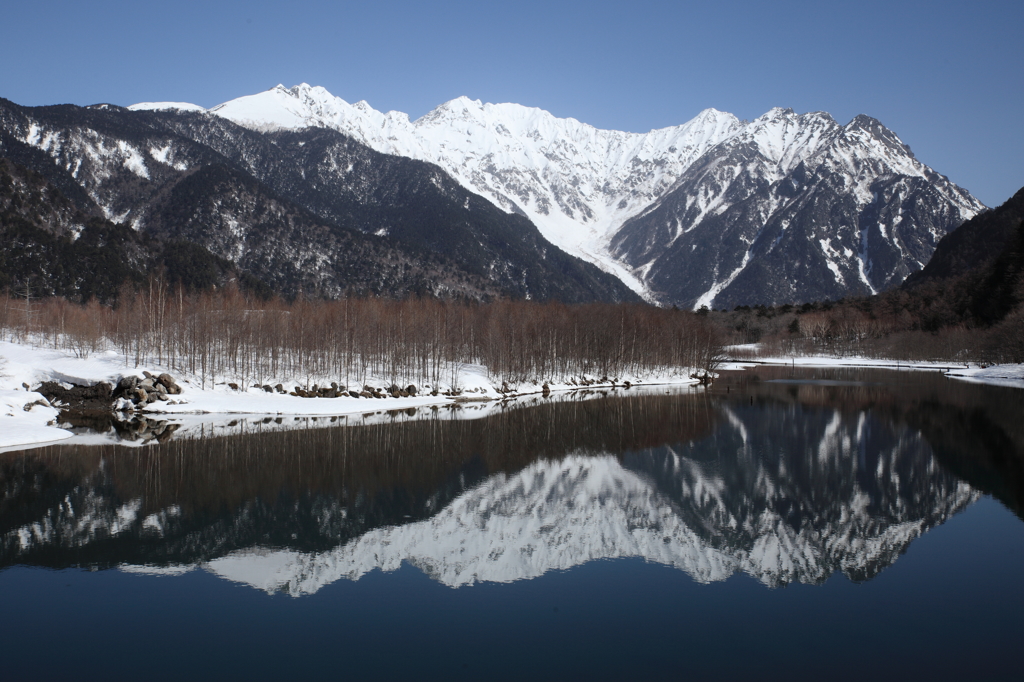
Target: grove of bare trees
{"x": 426, "y": 341}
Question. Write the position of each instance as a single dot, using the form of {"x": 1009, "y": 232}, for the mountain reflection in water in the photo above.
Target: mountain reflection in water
{"x": 786, "y": 475}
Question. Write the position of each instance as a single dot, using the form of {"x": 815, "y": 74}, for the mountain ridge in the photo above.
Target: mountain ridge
{"x": 714, "y": 212}
{"x": 621, "y": 200}
{"x": 125, "y": 164}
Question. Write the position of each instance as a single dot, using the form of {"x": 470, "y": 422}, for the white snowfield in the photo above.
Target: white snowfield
{"x": 36, "y": 424}
{"x": 578, "y": 184}
{"x": 213, "y": 409}
{"x": 996, "y": 375}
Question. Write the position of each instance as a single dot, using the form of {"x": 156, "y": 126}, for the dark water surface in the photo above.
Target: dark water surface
{"x": 786, "y": 524}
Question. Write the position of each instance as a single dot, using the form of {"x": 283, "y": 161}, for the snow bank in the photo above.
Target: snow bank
{"x": 995, "y": 375}
{"x": 33, "y": 425}
{"x": 998, "y": 375}
{"x": 200, "y": 410}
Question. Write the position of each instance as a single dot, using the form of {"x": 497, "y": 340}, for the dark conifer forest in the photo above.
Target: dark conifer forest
{"x": 966, "y": 305}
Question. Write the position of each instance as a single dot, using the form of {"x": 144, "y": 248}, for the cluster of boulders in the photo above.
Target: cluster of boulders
{"x": 592, "y": 382}
{"x": 149, "y": 388}
{"x": 79, "y": 398}
{"x": 130, "y": 392}
{"x": 336, "y": 390}
{"x": 572, "y": 381}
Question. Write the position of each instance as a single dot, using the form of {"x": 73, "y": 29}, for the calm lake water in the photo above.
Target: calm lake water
{"x": 786, "y": 524}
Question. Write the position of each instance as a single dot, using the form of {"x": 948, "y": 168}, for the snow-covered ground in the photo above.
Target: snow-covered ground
{"x": 22, "y": 422}
{"x": 215, "y": 409}
{"x": 996, "y": 375}
{"x": 999, "y": 375}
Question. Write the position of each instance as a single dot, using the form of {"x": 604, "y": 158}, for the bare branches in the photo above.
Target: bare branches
{"x": 420, "y": 341}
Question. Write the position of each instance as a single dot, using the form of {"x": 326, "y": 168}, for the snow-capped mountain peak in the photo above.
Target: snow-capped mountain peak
{"x": 601, "y": 195}
{"x": 577, "y": 183}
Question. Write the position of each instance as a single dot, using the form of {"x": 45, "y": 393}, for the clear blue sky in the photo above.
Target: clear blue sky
{"x": 948, "y": 77}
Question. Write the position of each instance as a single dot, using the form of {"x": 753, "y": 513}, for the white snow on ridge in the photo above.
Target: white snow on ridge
{"x": 165, "y": 106}
{"x": 577, "y": 183}
{"x": 785, "y": 138}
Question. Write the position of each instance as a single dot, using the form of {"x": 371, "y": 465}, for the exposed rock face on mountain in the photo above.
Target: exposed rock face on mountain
{"x": 794, "y": 208}
{"x": 375, "y": 224}
{"x": 408, "y": 202}
{"x": 575, "y": 182}
{"x": 716, "y": 211}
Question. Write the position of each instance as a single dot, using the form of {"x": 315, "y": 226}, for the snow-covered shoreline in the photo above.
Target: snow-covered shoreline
{"x": 27, "y": 419}
{"x": 994, "y": 375}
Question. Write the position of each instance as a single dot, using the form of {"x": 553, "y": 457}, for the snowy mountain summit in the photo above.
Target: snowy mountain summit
{"x": 575, "y": 182}
{"x": 689, "y": 214}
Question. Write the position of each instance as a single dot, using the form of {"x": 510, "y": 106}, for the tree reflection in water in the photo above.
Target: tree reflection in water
{"x": 787, "y": 475}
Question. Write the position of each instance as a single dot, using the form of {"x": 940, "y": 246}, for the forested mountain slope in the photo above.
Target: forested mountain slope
{"x": 392, "y": 227}
{"x": 785, "y": 208}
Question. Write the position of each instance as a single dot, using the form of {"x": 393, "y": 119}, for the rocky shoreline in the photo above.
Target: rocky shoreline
{"x": 79, "y": 397}
{"x": 132, "y": 393}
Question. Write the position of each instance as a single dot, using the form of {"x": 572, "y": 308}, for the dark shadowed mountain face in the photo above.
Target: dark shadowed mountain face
{"x": 377, "y": 224}
{"x": 976, "y": 277}
{"x": 50, "y": 247}
{"x": 975, "y": 244}
{"x": 798, "y": 208}
{"x": 235, "y": 216}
